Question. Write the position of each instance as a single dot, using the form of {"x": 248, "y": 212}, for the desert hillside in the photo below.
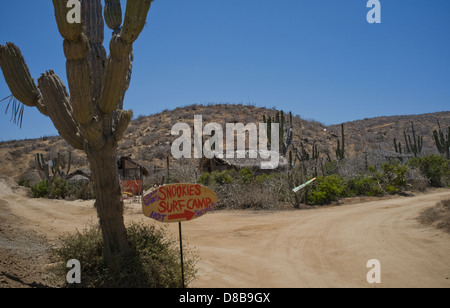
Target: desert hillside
{"x": 148, "y": 139}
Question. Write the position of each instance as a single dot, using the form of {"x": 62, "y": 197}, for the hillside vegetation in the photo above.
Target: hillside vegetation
{"x": 368, "y": 142}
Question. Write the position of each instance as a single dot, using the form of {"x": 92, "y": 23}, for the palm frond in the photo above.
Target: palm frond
{"x": 17, "y": 109}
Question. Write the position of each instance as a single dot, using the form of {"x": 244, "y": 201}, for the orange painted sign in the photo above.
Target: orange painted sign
{"x": 178, "y": 202}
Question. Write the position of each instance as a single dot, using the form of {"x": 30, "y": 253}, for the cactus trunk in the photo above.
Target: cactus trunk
{"x": 108, "y": 202}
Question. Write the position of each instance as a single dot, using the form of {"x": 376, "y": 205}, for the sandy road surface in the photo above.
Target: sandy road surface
{"x": 326, "y": 247}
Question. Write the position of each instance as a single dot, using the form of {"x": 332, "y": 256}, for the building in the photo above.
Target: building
{"x": 220, "y": 164}
{"x": 131, "y": 175}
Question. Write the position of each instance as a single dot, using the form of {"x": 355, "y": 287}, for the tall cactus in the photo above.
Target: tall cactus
{"x": 57, "y": 166}
{"x": 397, "y": 146}
{"x": 442, "y": 142}
{"x": 42, "y": 167}
{"x": 91, "y": 118}
{"x": 286, "y": 131}
{"x": 49, "y": 171}
{"x": 340, "y": 151}
{"x": 416, "y": 146}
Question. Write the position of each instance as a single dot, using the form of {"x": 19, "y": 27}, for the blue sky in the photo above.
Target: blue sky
{"x": 320, "y": 59}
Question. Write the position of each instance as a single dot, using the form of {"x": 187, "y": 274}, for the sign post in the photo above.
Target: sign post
{"x": 178, "y": 203}
{"x": 181, "y": 254}
{"x": 303, "y": 185}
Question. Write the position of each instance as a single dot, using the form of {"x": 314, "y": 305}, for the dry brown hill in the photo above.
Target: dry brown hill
{"x": 148, "y": 139}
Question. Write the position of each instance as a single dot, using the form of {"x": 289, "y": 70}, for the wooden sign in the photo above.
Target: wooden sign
{"x": 178, "y": 202}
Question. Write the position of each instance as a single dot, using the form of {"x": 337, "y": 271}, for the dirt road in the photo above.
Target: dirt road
{"x": 326, "y": 247}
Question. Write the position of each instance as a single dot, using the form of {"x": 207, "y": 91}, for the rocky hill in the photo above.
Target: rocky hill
{"x": 148, "y": 139}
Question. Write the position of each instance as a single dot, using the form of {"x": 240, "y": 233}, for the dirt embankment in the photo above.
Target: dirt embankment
{"x": 326, "y": 247}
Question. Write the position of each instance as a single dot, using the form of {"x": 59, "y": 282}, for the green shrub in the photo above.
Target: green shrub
{"x": 58, "y": 189}
{"x": 246, "y": 175}
{"x": 326, "y": 189}
{"x": 363, "y": 185}
{"x": 262, "y": 178}
{"x": 216, "y": 177}
{"x": 40, "y": 190}
{"x": 434, "y": 167}
{"x": 154, "y": 263}
{"x": 394, "y": 175}
{"x": 205, "y": 179}
{"x": 221, "y": 178}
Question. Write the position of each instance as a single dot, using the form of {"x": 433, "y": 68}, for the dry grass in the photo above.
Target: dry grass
{"x": 438, "y": 216}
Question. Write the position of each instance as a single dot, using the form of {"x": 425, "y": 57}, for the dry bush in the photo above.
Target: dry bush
{"x": 416, "y": 180}
{"x": 352, "y": 167}
{"x": 148, "y": 140}
{"x": 250, "y": 196}
{"x": 437, "y": 216}
{"x": 126, "y": 144}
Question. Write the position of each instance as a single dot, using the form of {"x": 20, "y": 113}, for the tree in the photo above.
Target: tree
{"x": 91, "y": 118}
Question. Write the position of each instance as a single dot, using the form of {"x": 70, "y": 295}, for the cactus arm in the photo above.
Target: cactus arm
{"x": 127, "y": 82}
{"x": 113, "y": 14}
{"x": 135, "y": 18}
{"x": 120, "y": 59}
{"x": 416, "y": 147}
{"x": 76, "y": 50}
{"x": 123, "y": 119}
{"x": 92, "y": 20}
{"x": 18, "y": 77}
{"x": 42, "y": 167}
{"x": 56, "y": 166}
{"x": 116, "y": 74}
{"x": 80, "y": 85}
{"x": 94, "y": 30}
{"x": 60, "y": 112}
{"x": 438, "y": 140}
{"x": 67, "y": 30}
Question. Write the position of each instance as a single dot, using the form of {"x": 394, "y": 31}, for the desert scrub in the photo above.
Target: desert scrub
{"x": 153, "y": 263}
{"x": 363, "y": 185}
{"x": 434, "y": 167}
{"x": 59, "y": 189}
{"x": 246, "y": 197}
